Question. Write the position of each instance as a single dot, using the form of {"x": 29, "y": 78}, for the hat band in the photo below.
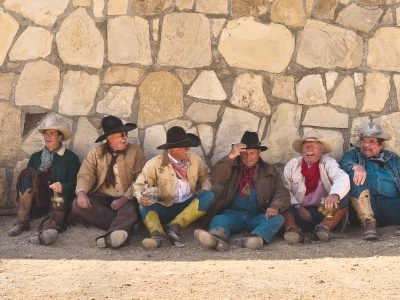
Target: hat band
{"x": 178, "y": 142}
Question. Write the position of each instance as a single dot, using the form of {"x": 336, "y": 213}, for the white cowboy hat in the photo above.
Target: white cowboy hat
{"x": 56, "y": 122}
{"x": 373, "y": 129}
{"x": 312, "y": 136}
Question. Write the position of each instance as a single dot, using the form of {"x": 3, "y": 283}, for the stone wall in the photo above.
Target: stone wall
{"x": 216, "y": 68}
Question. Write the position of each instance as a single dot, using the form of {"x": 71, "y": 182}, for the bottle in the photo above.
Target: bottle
{"x": 149, "y": 192}
{"x": 57, "y": 201}
{"x": 330, "y": 215}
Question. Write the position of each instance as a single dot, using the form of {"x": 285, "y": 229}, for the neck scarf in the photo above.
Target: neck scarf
{"x": 180, "y": 167}
{"x": 312, "y": 176}
{"x": 246, "y": 183}
{"x": 47, "y": 158}
{"x": 110, "y": 177}
{"x": 379, "y": 159}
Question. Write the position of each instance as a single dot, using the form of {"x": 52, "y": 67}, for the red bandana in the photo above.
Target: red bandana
{"x": 246, "y": 183}
{"x": 311, "y": 175}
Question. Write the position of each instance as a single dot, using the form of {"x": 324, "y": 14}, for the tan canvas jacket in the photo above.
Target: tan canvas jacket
{"x": 93, "y": 171}
{"x": 160, "y": 173}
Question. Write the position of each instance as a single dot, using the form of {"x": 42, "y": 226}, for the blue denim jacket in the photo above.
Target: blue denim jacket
{"x": 355, "y": 157}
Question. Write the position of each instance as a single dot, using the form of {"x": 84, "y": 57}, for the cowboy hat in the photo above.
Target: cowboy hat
{"x": 56, "y": 122}
{"x": 178, "y": 138}
{"x": 373, "y": 129}
{"x": 312, "y": 136}
{"x": 111, "y": 125}
{"x": 250, "y": 139}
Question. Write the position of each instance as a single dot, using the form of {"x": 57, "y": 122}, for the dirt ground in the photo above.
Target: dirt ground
{"x": 74, "y": 268}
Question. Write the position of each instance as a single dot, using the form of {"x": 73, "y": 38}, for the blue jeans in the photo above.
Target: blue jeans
{"x": 386, "y": 209}
{"x": 168, "y": 213}
{"x": 233, "y": 221}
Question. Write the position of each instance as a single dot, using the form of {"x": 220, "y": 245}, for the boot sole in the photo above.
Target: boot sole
{"x": 151, "y": 244}
{"x": 323, "y": 236}
{"x": 46, "y": 237}
{"x": 114, "y": 239}
{"x": 370, "y": 236}
{"x": 253, "y": 243}
{"x": 292, "y": 237}
{"x": 206, "y": 239}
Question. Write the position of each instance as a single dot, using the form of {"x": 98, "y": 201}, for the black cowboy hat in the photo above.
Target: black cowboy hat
{"x": 250, "y": 139}
{"x": 178, "y": 138}
{"x": 111, "y": 125}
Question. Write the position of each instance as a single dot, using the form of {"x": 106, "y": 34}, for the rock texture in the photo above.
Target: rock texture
{"x": 271, "y": 45}
{"x": 207, "y": 86}
{"x": 8, "y": 29}
{"x": 34, "y": 42}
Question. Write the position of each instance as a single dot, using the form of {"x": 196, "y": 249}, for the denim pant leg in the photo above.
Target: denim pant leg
{"x": 266, "y": 228}
{"x": 166, "y": 214}
{"x": 386, "y": 210}
{"x": 206, "y": 198}
{"x": 231, "y": 221}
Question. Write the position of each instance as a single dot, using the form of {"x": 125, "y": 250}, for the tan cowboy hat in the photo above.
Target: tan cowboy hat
{"x": 373, "y": 129}
{"x": 312, "y": 136}
{"x": 56, "y": 122}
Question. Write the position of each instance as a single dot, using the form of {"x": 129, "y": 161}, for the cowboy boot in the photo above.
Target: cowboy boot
{"x": 323, "y": 230}
{"x": 293, "y": 234}
{"x": 24, "y": 204}
{"x": 365, "y": 214}
{"x": 215, "y": 239}
{"x": 157, "y": 238}
{"x": 251, "y": 241}
{"x": 190, "y": 214}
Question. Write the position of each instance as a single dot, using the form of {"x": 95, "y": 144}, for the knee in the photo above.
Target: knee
{"x": 206, "y": 198}
{"x": 75, "y": 207}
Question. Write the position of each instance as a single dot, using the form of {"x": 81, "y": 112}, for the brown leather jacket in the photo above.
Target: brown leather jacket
{"x": 270, "y": 189}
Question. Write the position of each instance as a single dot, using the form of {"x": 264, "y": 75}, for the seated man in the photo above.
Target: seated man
{"x": 375, "y": 180}
{"x": 252, "y": 198}
{"x": 47, "y": 185}
{"x": 174, "y": 174}
{"x": 104, "y": 185}
{"x": 310, "y": 178}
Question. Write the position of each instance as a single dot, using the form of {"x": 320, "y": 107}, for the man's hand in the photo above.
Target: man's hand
{"x": 83, "y": 200}
{"x": 118, "y": 203}
{"x": 236, "y": 150}
{"x": 271, "y": 212}
{"x": 332, "y": 202}
{"x": 304, "y": 214}
{"x": 359, "y": 175}
{"x": 145, "y": 201}
{"x": 56, "y": 186}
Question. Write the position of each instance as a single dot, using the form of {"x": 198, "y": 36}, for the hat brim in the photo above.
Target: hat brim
{"x": 124, "y": 128}
{"x": 192, "y": 141}
{"x": 66, "y": 132}
{"x": 261, "y": 148}
{"x": 297, "y": 145}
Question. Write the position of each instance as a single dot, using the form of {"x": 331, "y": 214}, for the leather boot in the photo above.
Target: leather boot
{"x": 24, "y": 204}
{"x": 323, "y": 230}
{"x": 365, "y": 214}
{"x": 293, "y": 234}
{"x": 157, "y": 238}
{"x": 216, "y": 239}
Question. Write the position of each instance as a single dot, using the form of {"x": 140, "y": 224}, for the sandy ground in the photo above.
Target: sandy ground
{"x": 74, "y": 268}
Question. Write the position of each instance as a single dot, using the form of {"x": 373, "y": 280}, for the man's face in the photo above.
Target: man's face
{"x": 51, "y": 139}
{"x": 312, "y": 152}
{"x": 250, "y": 157}
{"x": 178, "y": 153}
{"x": 118, "y": 141}
{"x": 369, "y": 146}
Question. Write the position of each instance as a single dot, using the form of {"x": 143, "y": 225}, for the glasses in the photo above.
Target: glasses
{"x": 368, "y": 142}
{"x": 123, "y": 134}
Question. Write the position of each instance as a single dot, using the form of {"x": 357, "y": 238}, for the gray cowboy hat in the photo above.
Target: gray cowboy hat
{"x": 312, "y": 136}
{"x": 373, "y": 129}
{"x": 111, "y": 125}
{"x": 56, "y": 122}
{"x": 250, "y": 139}
{"x": 178, "y": 138}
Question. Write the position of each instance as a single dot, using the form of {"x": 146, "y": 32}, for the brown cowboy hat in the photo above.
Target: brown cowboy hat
{"x": 56, "y": 122}
{"x": 312, "y": 136}
{"x": 178, "y": 138}
{"x": 373, "y": 129}
{"x": 250, "y": 139}
{"x": 111, "y": 125}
